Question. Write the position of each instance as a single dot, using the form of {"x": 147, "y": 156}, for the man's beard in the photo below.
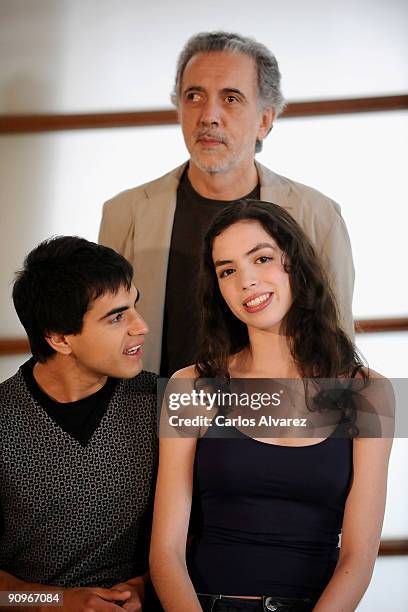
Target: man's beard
{"x": 213, "y": 167}
{"x": 205, "y": 161}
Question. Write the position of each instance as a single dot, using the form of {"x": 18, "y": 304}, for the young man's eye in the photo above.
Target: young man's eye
{"x": 117, "y": 318}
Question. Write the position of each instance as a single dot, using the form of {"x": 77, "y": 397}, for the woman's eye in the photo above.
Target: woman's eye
{"x": 226, "y": 272}
{"x": 264, "y": 259}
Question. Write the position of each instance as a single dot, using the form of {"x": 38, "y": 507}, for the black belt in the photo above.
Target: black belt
{"x": 269, "y": 603}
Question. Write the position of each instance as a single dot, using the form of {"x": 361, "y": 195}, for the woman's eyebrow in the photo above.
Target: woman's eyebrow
{"x": 257, "y": 247}
{"x": 261, "y": 245}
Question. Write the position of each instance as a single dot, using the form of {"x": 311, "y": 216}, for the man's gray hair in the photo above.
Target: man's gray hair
{"x": 269, "y": 77}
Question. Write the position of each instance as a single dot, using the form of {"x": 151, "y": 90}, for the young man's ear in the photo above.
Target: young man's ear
{"x": 59, "y": 343}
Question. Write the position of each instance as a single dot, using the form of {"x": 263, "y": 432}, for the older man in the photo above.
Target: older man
{"x": 227, "y": 93}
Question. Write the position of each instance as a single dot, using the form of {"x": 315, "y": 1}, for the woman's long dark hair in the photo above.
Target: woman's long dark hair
{"x": 319, "y": 346}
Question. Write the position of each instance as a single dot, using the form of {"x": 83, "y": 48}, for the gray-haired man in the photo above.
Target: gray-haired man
{"x": 227, "y": 93}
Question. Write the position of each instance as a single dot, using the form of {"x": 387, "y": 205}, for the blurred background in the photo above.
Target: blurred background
{"x": 70, "y": 57}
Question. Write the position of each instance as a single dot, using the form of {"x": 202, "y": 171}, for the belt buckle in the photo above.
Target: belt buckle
{"x": 270, "y": 605}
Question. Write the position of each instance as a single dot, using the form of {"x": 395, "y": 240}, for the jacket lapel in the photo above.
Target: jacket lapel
{"x": 154, "y": 218}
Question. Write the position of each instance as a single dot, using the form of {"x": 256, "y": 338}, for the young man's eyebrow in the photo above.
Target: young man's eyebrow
{"x": 257, "y": 247}
{"x": 120, "y": 308}
{"x": 114, "y": 311}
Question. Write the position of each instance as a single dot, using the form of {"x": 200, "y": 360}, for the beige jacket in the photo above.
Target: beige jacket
{"x": 138, "y": 223}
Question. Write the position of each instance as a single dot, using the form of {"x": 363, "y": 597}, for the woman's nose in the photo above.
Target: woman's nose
{"x": 248, "y": 279}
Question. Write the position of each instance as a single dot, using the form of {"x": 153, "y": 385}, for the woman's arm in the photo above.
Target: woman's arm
{"x": 172, "y": 510}
{"x": 170, "y": 525}
{"x": 362, "y": 524}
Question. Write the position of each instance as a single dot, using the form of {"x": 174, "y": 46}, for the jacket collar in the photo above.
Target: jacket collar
{"x": 274, "y": 188}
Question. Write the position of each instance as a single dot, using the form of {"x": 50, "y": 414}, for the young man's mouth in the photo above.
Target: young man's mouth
{"x": 134, "y": 350}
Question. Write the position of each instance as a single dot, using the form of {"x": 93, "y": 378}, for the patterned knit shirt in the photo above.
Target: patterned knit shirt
{"x": 73, "y": 515}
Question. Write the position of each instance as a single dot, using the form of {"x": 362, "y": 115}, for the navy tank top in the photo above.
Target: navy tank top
{"x": 268, "y": 517}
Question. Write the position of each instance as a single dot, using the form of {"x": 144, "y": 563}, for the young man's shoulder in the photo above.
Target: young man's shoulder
{"x": 144, "y": 384}
{"x": 12, "y": 385}
{"x": 13, "y": 394}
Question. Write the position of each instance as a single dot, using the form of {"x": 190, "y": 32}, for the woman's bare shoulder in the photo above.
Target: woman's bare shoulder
{"x": 370, "y": 373}
{"x": 188, "y": 372}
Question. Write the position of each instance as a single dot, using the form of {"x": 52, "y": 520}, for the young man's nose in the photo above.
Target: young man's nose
{"x": 138, "y": 326}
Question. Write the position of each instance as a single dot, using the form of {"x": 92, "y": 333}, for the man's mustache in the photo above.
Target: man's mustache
{"x": 212, "y": 135}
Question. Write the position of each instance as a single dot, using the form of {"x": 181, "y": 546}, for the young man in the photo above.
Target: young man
{"x": 78, "y": 433}
{"x": 227, "y": 93}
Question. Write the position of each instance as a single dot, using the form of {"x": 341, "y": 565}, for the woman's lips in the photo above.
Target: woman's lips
{"x": 261, "y": 301}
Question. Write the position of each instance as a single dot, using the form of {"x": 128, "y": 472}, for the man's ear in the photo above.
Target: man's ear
{"x": 267, "y": 118}
{"x": 178, "y": 111}
{"x": 59, "y": 342}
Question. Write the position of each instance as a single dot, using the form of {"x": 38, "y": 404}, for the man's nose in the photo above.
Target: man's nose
{"x": 211, "y": 113}
{"x": 138, "y": 326}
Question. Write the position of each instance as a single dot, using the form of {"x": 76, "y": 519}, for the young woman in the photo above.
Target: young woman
{"x": 270, "y": 509}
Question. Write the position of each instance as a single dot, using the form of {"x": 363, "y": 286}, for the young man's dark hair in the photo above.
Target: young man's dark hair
{"x": 59, "y": 280}
{"x": 78, "y": 432}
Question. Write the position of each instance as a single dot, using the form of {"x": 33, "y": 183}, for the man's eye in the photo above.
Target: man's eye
{"x": 193, "y": 96}
{"x": 231, "y": 99}
{"x": 264, "y": 259}
{"x": 226, "y": 272}
{"x": 118, "y": 318}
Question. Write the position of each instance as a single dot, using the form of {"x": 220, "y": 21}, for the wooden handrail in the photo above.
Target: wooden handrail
{"x": 381, "y": 325}
{"x": 393, "y": 548}
{"x": 17, "y": 346}
{"x": 20, "y": 124}
{"x": 14, "y": 346}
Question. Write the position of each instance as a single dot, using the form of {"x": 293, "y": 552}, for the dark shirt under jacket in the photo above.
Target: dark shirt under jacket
{"x": 193, "y": 215}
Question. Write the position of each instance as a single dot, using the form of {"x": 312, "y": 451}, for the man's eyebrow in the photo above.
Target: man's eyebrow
{"x": 114, "y": 311}
{"x": 120, "y": 308}
{"x": 193, "y": 88}
{"x": 257, "y": 247}
{"x": 227, "y": 90}
{"x": 223, "y": 91}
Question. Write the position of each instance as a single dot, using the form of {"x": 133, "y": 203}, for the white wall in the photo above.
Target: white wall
{"x": 76, "y": 55}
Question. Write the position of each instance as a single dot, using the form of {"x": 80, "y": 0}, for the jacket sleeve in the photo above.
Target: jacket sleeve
{"x": 117, "y": 226}
{"x": 337, "y": 254}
